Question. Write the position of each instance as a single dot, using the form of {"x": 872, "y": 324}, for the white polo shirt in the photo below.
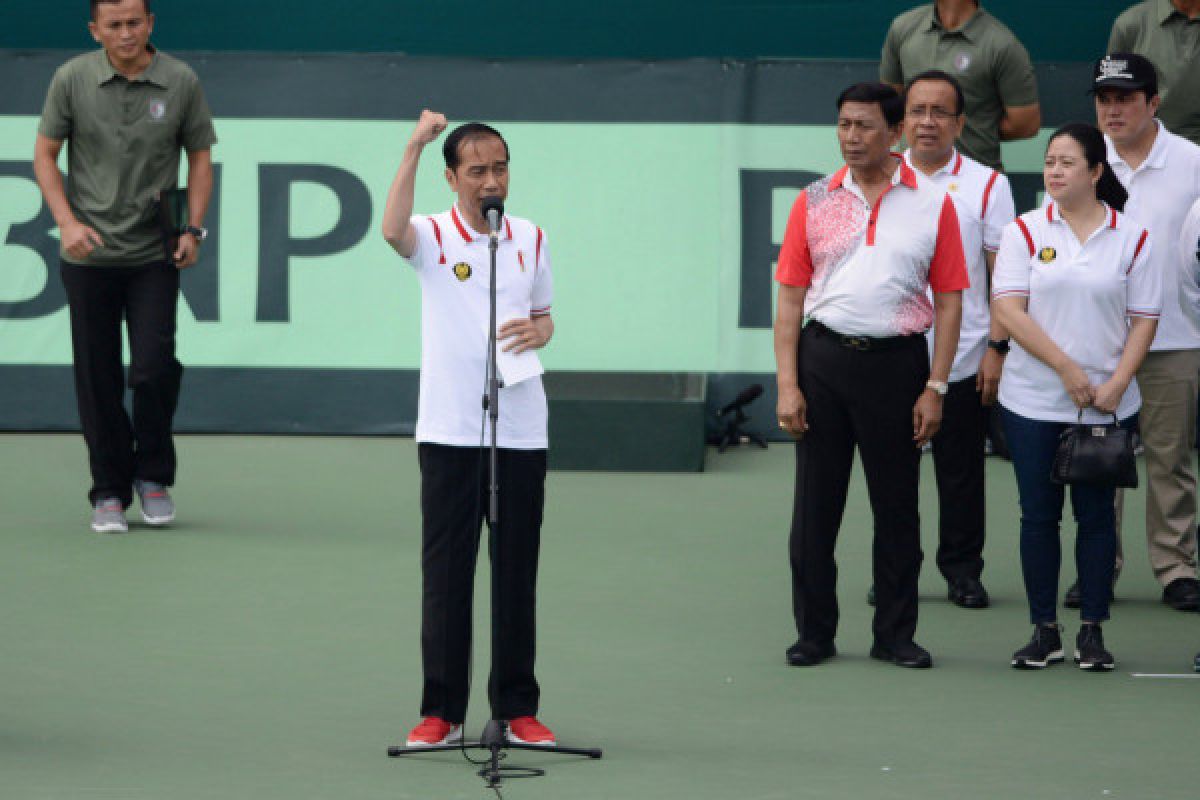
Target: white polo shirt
{"x": 1081, "y": 295}
{"x": 452, "y": 265}
{"x": 984, "y": 203}
{"x": 868, "y": 268}
{"x": 1161, "y": 191}
{"x": 1189, "y": 268}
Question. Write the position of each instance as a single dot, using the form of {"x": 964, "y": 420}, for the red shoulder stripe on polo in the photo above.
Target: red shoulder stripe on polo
{"x": 1028, "y": 236}
{"x": 1137, "y": 251}
{"x": 458, "y": 224}
{"x": 987, "y": 191}
{"x": 437, "y": 234}
{"x": 537, "y": 253}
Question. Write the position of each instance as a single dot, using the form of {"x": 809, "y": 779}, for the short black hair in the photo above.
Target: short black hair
{"x": 944, "y": 77}
{"x": 145, "y": 3}
{"x": 469, "y": 132}
{"x": 887, "y": 98}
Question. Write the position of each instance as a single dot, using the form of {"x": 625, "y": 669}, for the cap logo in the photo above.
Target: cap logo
{"x": 1114, "y": 68}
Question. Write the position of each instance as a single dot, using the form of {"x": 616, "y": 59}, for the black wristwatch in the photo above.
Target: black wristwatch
{"x": 200, "y": 233}
{"x": 1001, "y": 346}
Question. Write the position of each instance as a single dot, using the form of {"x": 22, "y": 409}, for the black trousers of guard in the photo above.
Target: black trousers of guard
{"x": 454, "y": 504}
{"x": 864, "y": 399}
{"x": 121, "y": 449}
{"x": 958, "y": 465}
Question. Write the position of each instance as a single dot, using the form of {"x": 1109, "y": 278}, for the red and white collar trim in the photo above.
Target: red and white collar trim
{"x": 1054, "y": 214}
{"x": 468, "y": 234}
{"x": 957, "y": 163}
{"x": 904, "y": 176}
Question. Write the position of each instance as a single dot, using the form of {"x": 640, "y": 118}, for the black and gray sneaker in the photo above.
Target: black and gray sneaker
{"x": 1090, "y": 654}
{"x": 1044, "y": 649}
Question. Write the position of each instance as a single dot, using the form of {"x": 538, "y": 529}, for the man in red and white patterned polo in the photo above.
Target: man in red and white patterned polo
{"x": 862, "y": 249}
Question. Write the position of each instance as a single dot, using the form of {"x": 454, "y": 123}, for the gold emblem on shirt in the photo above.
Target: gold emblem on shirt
{"x": 462, "y": 270}
{"x": 954, "y": 187}
{"x": 1047, "y": 255}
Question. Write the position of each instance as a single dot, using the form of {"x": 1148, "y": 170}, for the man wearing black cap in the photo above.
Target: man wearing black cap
{"x": 1168, "y": 33}
{"x": 1161, "y": 171}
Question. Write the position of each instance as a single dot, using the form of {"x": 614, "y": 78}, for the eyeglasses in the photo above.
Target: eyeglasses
{"x": 938, "y": 113}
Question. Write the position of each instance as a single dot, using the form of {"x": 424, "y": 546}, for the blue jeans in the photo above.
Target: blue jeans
{"x": 1032, "y": 444}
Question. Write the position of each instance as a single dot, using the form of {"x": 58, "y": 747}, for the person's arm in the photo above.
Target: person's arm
{"x": 78, "y": 240}
{"x": 927, "y": 412}
{"x": 1016, "y": 85}
{"x": 1143, "y": 305}
{"x": 1141, "y": 333}
{"x": 891, "y": 71}
{"x": 1122, "y": 38}
{"x": 397, "y": 214}
{"x": 791, "y": 408}
{"x": 793, "y": 271}
{"x": 947, "y": 280}
{"x": 1020, "y": 122}
{"x": 987, "y": 381}
{"x": 1014, "y": 316}
{"x": 199, "y": 193}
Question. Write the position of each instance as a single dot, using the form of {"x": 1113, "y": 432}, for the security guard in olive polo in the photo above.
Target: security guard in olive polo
{"x": 125, "y": 112}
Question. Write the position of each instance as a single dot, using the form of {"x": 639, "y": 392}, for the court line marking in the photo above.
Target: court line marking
{"x": 1186, "y": 675}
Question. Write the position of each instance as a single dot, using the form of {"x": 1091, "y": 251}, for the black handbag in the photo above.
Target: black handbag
{"x": 1095, "y": 455}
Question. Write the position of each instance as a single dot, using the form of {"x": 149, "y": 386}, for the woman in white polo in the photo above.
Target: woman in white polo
{"x": 1074, "y": 287}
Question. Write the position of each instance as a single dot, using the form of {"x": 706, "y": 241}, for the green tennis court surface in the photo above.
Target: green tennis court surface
{"x": 266, "y": 646}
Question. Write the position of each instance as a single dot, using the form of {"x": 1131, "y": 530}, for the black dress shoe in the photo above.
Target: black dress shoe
{"x": 1182, "y": 594}
{"x": 968, "y": 593}
{"x": 903, "y": 654}
{"x": 871, "y": 595}
{"x": 809, "y": 654}
{"x": 1073, "y": 599}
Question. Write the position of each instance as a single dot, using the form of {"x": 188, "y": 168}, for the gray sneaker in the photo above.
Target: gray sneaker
{"x": 157, "y": 506}
{"x": 108, "y": 516}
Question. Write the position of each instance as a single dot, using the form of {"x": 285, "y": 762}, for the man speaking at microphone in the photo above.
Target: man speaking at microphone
{"x": 449, "y": 252}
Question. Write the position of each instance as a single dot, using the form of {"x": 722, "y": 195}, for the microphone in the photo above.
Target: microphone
{"x": 493, "y": 210}
{"x": 744, "y": 398}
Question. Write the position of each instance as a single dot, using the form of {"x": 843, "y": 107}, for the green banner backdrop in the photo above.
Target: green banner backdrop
{"x": 663, "y": 228}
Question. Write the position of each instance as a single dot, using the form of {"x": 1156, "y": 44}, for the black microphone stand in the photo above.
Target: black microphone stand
{"x": 493, "y": 738}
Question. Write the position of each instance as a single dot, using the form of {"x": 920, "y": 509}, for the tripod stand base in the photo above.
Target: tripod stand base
{"x": 493, "y": 737}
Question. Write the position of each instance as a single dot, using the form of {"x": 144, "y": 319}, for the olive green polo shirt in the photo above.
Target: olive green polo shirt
{"x": 1157, "y": 30}
{"x": 983, "y": 55}
{"x": 123, "y": 146}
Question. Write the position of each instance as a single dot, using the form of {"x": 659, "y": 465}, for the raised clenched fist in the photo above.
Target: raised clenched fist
{"x": 429, "y": 127}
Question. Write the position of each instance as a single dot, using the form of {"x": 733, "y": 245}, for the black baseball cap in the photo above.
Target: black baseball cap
{"x": 1125, "y": 71}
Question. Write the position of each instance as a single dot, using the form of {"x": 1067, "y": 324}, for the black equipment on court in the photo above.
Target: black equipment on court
{"x": 733, "y": 418}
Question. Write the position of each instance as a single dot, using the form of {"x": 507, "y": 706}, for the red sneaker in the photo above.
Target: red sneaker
{"x": 527, "y": 730}
{"x": 434, "y": 731}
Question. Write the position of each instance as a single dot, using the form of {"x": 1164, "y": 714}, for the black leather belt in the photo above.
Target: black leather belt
{"x": 864, "y": 343}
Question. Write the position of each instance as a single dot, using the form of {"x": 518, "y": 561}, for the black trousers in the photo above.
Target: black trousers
{"x": 958, "y": 465}
{"x": 864, "y": 399}
{"x": 453, "y": 506}
{"x": 121, "y": 449}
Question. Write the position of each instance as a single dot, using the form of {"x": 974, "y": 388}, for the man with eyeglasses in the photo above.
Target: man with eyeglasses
{"x": 934, "y": 117}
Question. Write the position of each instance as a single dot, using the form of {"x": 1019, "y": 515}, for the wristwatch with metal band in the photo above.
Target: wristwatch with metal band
{"x": 941, "y": 387}
{"x": 200, "y": 233}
